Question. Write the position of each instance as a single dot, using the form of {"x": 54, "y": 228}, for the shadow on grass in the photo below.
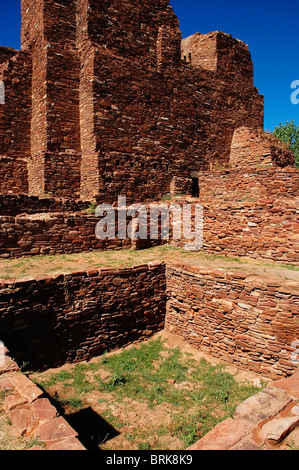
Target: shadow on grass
{"x": 93, "y": 430}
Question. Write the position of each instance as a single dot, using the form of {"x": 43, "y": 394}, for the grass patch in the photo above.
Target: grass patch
{"x": 187, "y": 397}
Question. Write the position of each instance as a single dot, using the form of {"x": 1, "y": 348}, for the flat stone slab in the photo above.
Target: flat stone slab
{"x": 25, "y": 387}
{"x": 22, "y": 419}
{"x": 43, "y": 410}
{"x": 14, "y": 400}
{"x": 54, "y": 430}
{"x": 67, "y": 444}
{"x": 263, "y": 405}
{"x": 224, "y": 436}
{"x": 290, "y": 385}
{"x": 278, "y": 429}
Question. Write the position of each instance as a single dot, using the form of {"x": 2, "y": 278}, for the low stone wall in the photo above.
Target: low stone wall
{"x": 52, "y": 234}
{"x": 235, "y": 185}
{"x": 238, "y": 318}
{"x": 264, "y": 230}
{"x": 55, "y": 233}
{"x": 70, "y": 318}
{"x": 245, "y": 214}
{"x": 16, "y": 204}
{"x": 31, "y": 412}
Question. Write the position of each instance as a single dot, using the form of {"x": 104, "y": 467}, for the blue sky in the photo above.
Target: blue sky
{"x": 270, "y": 28}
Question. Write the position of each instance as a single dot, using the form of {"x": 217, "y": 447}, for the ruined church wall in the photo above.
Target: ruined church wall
{"x": 251, "y": 323}
{"x": 245, "y": 215}
{"x": 251, "y": 213}
{"x": 255, "y": 148}
{"x": 15, "y": 112}
{"x": 15, "y": 73}
{"x": 75, "y": 317}
{"x": 114, "y": 108}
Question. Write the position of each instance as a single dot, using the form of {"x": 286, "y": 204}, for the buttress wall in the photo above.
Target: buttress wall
{"x": 15, "y": 76}
{"x": 54, "y": 166}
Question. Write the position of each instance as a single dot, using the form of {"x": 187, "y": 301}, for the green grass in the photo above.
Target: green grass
{"x": 199, "y": 394}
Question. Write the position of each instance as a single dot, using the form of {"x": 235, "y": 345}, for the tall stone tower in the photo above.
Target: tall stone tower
{"x": 49, "y": 35}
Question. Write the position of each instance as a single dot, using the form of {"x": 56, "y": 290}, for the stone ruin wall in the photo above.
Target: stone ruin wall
{"x": 240, "y": 319}
{"x": 248, "y": 213}
{"x": 247, "y": 321}
{"x": 70, "y": 318}
{"x": 190, "y": 109}
{"x": 99, "y": 102}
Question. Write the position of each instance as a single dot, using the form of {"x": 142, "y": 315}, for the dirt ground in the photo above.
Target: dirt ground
{"x": 44, "y": 266}
{"x": 134, "y": 419}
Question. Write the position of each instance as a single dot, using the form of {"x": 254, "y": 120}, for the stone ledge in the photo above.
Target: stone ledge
{"x": 32, "y": 414}
{"x": 263, "y": 421}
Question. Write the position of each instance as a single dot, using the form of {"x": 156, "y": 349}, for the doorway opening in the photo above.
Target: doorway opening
{"x": 195, "y": 187}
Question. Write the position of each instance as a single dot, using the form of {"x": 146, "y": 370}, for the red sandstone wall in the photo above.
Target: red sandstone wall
{"x": 114, "y": 108}
{"x": 251, "y": 323}
{"x": 13, "y": 175}
{"x": 81, "y": 315}
{"x": 15, "y": 73}
{"x": 251, "y": 147}
{"x": 17, "y": 204}
{"x": 6, "y": 53}
{"x": 245, "y": 214}
{"x": 251, "y": 213}
{"x": 52, "y": 234}
{"x": 248, "y": 322}
{"x": 249, "y": 185}
{"x": 54, "y": 166}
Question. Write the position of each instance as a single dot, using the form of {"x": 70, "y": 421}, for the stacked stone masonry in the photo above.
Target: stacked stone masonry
{"x": 245, "y": 321}
{"x": 70, "y": 318}
{"x": 252, "y": 214}
{"x": 238, "y": 318}
{"x": 106, "y": 99}
{"x": 101, "y": 102}
{"x": 241, "y": 319}
{"x": 31, "y": 413}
